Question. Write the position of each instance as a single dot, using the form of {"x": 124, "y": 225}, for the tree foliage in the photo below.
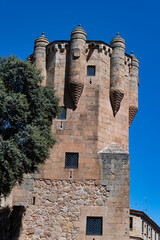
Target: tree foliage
{"x": 26, "y": 112}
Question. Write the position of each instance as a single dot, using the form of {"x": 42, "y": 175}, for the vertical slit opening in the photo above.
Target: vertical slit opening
{"x": 34, "y": 201}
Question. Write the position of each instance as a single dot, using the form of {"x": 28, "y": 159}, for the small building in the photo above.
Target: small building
{"x": 142, "y": 226}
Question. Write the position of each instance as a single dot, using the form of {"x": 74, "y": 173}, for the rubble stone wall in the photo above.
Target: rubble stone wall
{"x": 59, "y": 207}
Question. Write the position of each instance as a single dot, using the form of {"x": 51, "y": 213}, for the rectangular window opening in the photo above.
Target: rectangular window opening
{"x": 142, "y": 226}
{"x": 63, "y": 114}
{"x": 34, "y": 201}
{"x": 71, "y": 160}
{"x": 131, "y": 223}
{"x": 94, "y": 226}
{"x": 91, "y": 70}
{"x": 147, "y": 230}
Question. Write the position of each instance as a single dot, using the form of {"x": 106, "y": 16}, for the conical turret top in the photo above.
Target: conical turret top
{"x": 41, "y": 41}
{"x": 79, "y": 33}
{"x": 118, "y": 41}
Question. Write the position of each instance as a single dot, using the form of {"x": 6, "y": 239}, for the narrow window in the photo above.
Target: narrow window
{"x": 63, "y": 114}
{"x": 151, "y": 233}
{"x": 155, "y": 236}
{"x": 71, "y": 160}
{"x": 131, "y": 223}
{"x": 94, "y": 226}
{"x": 147, "y": 230}
{"x": 91, "y": 70}
{"x": 142, "y": 226}
{"x": 34, "y": 201}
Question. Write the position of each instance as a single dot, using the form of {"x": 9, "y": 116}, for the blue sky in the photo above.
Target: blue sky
{"x": 139, "y": 24}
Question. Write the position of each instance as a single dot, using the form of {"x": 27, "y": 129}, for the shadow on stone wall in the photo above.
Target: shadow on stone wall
{"x": 11, "y": 222}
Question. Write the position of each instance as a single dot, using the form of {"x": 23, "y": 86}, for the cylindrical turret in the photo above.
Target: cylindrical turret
{"x": 117, "y": 72}
{"x": 133, "y": 88}
{"x": 40, "y": 54}
{"x": 77, "y": 63}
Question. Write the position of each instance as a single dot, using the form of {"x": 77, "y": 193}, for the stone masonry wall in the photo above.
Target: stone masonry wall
{"x": 91, "y": 126}
{"x": 59, "y": 207}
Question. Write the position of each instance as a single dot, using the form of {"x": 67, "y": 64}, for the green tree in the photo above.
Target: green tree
{"x": 26, "y": 112}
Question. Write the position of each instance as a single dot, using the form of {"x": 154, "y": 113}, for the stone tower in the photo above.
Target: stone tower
{"x": 82, "y": 191}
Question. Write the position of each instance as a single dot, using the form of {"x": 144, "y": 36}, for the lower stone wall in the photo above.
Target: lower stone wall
{"x": 58, "y": 209}
{"x": 54, "y": 209}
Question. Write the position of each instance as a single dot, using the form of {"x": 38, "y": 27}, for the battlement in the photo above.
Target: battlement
{"x": 121, "y": 65}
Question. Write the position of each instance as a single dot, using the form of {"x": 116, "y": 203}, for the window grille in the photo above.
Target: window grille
{"x": 63, "y": 114}
{"x": 94, "y": 226}
{"x": 71, "y": 160}
{"x": 91, "y": 71}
